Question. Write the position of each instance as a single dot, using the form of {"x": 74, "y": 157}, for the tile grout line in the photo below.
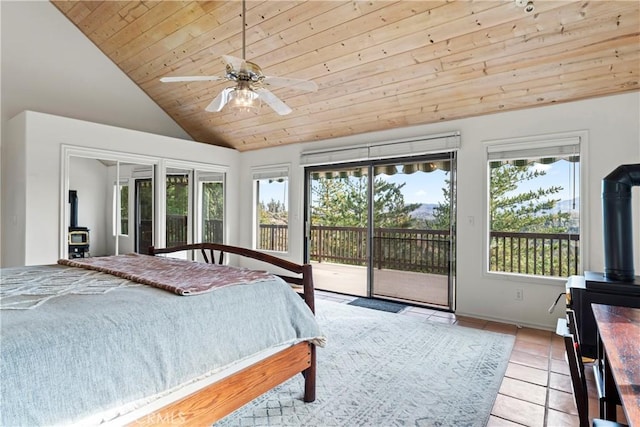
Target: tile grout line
{"x": 545, "y": 420}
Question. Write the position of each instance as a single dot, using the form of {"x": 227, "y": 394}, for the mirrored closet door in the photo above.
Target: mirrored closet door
{"x": 107, "y": 206}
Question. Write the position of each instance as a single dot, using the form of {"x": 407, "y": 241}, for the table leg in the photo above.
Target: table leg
{"x": 610, "y": 392}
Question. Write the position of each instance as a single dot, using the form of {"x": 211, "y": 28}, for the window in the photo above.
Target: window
{"x": 177, "y": 207}
{"x": 121, "y": 209}
{"x": 211, "y": 199}
{"x": 271, "y": 199}
{"x": 124, "y": 209}
{"x": 534, "y": 207}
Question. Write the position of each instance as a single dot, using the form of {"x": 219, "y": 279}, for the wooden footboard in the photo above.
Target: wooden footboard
{"x": 225, "y": 396}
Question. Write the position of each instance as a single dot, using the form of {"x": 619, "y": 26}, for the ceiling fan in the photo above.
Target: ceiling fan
{"x": 250, "y": 88}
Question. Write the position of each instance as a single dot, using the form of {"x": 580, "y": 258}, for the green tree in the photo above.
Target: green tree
{"x": 177, "y": 189}
{"x": 442, "y": 212}
{"x": 213, "y": 200}
{"x": 509, "y": 210}
{"x": 527, "y": 211}
{"x": 343, "y": 202}
{"x": 273, "y": 213}
{"x": 390, "y": 208}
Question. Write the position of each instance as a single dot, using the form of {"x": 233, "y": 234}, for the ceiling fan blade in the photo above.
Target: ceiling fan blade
{"x": 299, "y": 84}
{"x": 274, "y": 102}
{"x": 190, "y": 79}
{"x": 235, "y": 62}
{"x": 219, "y": 101}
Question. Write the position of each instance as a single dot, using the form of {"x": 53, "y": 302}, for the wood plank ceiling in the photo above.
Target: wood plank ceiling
{"x": 378, "y": 64}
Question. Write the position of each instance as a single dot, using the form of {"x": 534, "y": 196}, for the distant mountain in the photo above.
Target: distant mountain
{"x": 425, "y": 211}
{"x": 567, "y": 205}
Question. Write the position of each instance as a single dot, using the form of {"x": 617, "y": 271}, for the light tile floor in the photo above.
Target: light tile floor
{"x": 536, "y": 389}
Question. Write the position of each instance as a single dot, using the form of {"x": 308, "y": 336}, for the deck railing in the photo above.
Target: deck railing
{"x": 418, "y": 250}
{"x": 534, "y": 253}
{"x": 176, "y": 228}
{"x": 428, "y": 251}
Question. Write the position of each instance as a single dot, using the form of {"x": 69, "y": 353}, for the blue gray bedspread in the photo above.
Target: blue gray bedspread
{"x": 80, "y": 353}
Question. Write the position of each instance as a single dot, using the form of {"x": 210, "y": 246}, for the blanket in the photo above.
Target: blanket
{"x": 174, "y": 275}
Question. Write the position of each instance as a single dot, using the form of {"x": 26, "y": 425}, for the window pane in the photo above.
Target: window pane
{"x": 272, "y": 214}
{"x": 144, "y": 215}
{"x": 212, "y": 212}
{"x": 124, "y": 209}
{"x": 534, "y": 222}
{"x": 177, "y": 209}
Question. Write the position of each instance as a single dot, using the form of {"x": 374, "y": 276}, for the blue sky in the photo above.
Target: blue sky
{"x": 424, "y": 187}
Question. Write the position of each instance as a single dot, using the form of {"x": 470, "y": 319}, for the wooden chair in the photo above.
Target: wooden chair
{"x": 576, "y": 368}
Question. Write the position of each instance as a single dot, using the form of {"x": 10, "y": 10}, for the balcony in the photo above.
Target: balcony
{"x": 427, "y": 251}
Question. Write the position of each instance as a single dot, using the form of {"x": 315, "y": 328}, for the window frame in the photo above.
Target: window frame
{"x": 531, "y": 143}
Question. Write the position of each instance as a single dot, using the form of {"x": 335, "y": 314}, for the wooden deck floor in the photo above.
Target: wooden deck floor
{"x": 395, "y": 284}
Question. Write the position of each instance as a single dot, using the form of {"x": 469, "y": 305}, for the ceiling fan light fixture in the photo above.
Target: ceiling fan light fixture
{"x": 244, "y": 99}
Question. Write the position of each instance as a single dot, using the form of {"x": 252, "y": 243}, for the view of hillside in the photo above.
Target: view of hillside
{"x": 426, "y": 212}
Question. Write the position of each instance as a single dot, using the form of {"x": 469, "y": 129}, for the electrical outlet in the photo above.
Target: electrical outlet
{"x": 519, "y": 294}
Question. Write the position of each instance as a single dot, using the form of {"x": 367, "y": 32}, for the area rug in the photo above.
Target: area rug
{"x": 383, "y": 369}
{"x": 376, "y": 304}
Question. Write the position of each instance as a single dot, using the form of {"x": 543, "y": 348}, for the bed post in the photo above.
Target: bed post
{"x": 310, "y": 376}
{"x": 310, "y": 372}
{"x": 307, "y": 287}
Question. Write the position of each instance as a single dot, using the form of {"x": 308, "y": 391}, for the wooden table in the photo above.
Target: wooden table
{"x": 619, "y": 334}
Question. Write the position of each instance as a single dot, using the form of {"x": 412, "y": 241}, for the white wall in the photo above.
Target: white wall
{"x": 38, "y": 138}
{"x": 613, "y": 126}
{"x": 14, "y": 196}
{"x": 49, "y": 66}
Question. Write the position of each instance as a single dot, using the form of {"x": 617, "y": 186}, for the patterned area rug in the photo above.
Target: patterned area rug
{"x": 383, "y": 369}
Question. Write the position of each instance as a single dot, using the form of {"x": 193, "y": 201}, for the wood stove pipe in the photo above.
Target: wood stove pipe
{"x": 617, "y": 222}
{"x": 73, "y": 211}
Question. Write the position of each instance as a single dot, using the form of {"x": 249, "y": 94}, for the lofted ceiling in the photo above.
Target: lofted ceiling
{"x": 378, "y": 64}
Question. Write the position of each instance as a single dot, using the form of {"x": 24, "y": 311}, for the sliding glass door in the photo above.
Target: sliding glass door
{"x": 338, "y": 235}
{"x": 412, "y": 236}
{"x": 384, "y": 229}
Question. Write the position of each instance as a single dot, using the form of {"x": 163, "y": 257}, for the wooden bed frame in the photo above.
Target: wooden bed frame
{"x": 225, "y": 396}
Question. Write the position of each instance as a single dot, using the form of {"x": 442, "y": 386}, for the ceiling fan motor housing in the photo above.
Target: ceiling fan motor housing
{"x": 249, "y": 72}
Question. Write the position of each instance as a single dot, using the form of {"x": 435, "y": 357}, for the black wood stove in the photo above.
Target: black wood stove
{"x": 618, "y": 285}
{"x": 78, "y": 237}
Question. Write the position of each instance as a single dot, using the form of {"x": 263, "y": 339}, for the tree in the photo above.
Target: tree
{"x": 177, "y": 195}
{"x": 389, "y": 207}
{"x": 273, "y": 213}
{"x": 527, "y": 211}
{"x": 344, "y": 202}
{"x": 442, "y": 212}
{"x": 213, "y": 200}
